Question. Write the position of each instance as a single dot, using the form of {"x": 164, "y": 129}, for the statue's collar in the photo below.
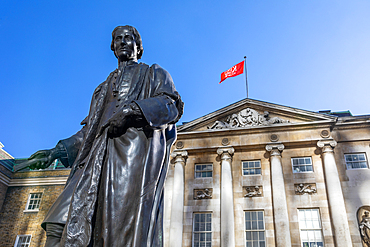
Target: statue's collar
{"x": 127, "y": 63}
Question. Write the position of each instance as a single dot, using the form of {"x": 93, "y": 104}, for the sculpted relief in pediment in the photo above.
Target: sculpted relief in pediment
{"x": 246, "y": 118}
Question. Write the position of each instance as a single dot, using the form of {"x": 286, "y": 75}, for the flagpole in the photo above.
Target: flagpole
{"x": 246, "y": 76}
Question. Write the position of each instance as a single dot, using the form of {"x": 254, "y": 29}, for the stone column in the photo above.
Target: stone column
{"x": 227, "y": 198}
{"x": 281, "y": 218}
{"x": 177, "y": 208}
{"x": 335, "y": 195}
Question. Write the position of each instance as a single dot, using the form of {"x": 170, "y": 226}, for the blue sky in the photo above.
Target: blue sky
{"x": 308, "y": 54}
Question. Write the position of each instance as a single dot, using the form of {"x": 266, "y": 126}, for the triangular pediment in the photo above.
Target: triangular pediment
{"x": 250, "y": 113}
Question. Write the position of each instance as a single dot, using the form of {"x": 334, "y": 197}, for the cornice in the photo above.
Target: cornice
{"x": 38, "y": 181}
{"x": 255, "y": 129}
{"x": 4, "y": 179}
{"x": 352, "y": 125}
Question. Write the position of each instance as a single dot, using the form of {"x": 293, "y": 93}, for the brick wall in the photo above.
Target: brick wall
{"x": 14, "y": 221}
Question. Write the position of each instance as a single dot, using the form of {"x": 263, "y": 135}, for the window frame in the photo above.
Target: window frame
{"x": 255, "y": 230}
{"x": 310, "y": 229}
{"x": 304, "y": 157}
{"x": 23, "y": 235}
{"x": 348, "y": 154}
{"x": 260, "y": 168}
{"x": 29, "y": 199}
{"x": 201, "y": 171}
{"x": 193, "y": 227}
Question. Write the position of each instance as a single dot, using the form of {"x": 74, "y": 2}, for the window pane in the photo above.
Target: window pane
{"x": 254, "y": 225}
{"x": 260, "y": 216}
{"x": 248, "y": 225}
{"x": 247, "y": 216}
{"x": 254, "y": 215}
{"x": 257, "y": 164}
{"x": 260, "y": 225}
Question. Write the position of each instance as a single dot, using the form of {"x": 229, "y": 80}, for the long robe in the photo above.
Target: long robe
{"x": 117, "y": 182}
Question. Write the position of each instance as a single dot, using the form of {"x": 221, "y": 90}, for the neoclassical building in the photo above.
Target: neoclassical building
{"x": 251, "y": 174}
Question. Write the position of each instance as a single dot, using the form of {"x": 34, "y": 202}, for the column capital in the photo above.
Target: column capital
{"x": 327, "y": 145}
{"x": 180, "y": 156}
{"x": 226, "y": 152}
{"x": 275, "y": 149}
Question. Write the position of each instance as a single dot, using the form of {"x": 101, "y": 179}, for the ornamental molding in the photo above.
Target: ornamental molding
{"x": 247, "y": 117}
{"x": 305, "y": 188}
{"x": 38, "y": 181}
{"x": 253, "y": 191}
{"x": 200, "y": 194}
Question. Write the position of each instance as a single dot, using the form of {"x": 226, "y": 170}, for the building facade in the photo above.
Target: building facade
{"x": 250, "y": 174}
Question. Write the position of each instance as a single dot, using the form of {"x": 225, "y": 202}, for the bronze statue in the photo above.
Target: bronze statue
{"x": 119, "y": 159}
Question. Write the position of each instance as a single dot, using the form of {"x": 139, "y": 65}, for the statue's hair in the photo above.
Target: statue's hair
{"x": 137, "y": 36}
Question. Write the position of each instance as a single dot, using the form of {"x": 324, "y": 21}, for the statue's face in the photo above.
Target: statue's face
{"x": 124, "y": 45}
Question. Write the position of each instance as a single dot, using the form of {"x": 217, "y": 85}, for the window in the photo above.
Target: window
{"x": 355, "y": 161}
{"x": 203, "y": 171}
{"x": 252, "y": 167}
{"x": 310, "y": 228}
{"x": 254, "y": 229}
{"x": 303, "y": 164}
{"x": 34, "y": 200}
{"x": 23, "y": 241}
{"x": 202, "y": 230}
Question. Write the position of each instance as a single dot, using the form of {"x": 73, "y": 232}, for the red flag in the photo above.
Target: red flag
{"x": 233, "y": 71}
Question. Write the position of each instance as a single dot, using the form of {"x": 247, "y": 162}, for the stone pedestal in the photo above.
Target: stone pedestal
{"x": 227, "y": 198}
{"x": 177, "y": 210}
{"x": 281, "y": 218}
{"x": 335, "y": 195}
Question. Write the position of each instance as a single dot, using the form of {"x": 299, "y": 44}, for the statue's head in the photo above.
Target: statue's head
{"x": 126, "y": 43}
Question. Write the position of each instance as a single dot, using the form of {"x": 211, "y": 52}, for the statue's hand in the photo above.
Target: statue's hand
{"x": 117, "y": 122}
{"x": 42, "y": 159}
